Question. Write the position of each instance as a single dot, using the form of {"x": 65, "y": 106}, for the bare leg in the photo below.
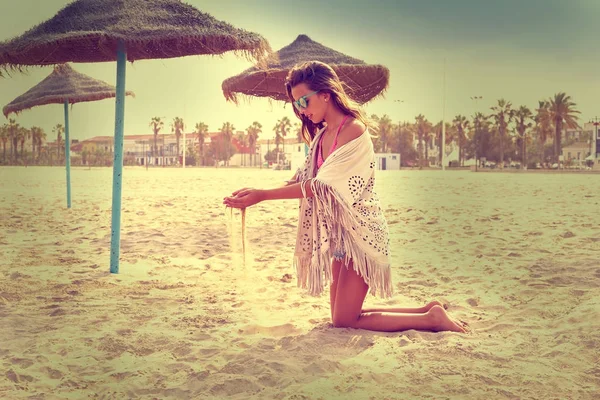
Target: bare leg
{"x": 350, "y": 294}
{"x": 335, "y": 269}
{"x": 416, "y": 310}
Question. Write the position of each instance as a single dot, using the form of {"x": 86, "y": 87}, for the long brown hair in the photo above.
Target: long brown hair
{"x": 320, "y": 76}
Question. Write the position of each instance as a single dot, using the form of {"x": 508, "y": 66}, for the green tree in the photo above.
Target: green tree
{"x": 253, "y": 131}
{"x": 201, "y": 132}
{"x": 562, "y": 112}
{"x": 156, "y": 124}
{"x": 58, "y": 131}
{"x": 177, "y": 128}
{"x": 461, "y": 123}
{"x": 523, "y": 116}
{"x": 502, "y": 117}
{"x": 423, "y": 129}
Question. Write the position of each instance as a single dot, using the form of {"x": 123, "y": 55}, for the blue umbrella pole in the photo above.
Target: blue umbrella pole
{"x": 68, "y": 153}
{"x": 115, "y": 236}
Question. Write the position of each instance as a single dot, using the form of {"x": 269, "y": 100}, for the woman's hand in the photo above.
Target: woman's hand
{"x": 244, "y": 198}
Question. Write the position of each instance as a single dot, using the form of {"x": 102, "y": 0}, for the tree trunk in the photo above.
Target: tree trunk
{"x": 524, "y": 155}
{"x": 557, "y": 140}
{"x": 420, "y": 146}
{"x": 15, "y": 148}
{"x": 501, "y": 148}
{"x": 460, "y": 150}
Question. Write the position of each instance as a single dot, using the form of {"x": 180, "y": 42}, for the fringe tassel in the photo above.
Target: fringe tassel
{"x": 314, "y": 272}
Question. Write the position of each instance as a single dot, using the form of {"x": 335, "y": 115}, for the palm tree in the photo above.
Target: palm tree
{"x": 156, "y": 124}
{"x": 36, "y": 132}
{"x": 384, "y": 125}
{"x": 298, "y": 129}
{"x": 23, "y": 135}
{"x": 227, "y": 134}
{"x": 284, "y": 127}
{"x": 480, "y": 126}
{"x": 278, "y": 138}
{"x": 201, "y": 131}
{"x": 423, "y": 128}
{"x": 502, "y": 117}
{"x": 522, "y": 115}
{"x": 177, "y": 128}
{"x": 403, "y": 139}
{"x": 461, "y": 123}
{"x": 41, "y": 138}
{"x": 242, "y": 140}
{"x": 4, "y": 136}
{"x": 253, "y": 131}
{"x": 58, "y": 130}
{"x": 543, "y": 125}
{"x": 13, "y": 130}
{"x": 562, "y": 111}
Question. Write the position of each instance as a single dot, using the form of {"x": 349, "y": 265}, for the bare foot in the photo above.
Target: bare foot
{"x": 430, "y": 305}
{"x": 441, "y": 321}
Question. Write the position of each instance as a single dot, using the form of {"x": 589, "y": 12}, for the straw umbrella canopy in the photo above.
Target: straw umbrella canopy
{"x": 64, "y": 84}
{"x": 120, "y": 30}
{"x": 363, "y": 81}
{"x": 89, "y": 31}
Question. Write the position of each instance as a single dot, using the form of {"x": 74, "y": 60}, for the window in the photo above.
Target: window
{"x": 393, "y": 157}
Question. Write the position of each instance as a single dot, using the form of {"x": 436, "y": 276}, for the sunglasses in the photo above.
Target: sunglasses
{"x": 302, "y": 102}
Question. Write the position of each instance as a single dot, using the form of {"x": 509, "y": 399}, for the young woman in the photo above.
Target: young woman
{"x": 342, "y": 234}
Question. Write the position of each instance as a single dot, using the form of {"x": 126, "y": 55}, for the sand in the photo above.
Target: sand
{"x": 515, "y": 255}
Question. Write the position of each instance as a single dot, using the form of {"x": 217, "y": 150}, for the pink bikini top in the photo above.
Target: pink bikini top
{"x": 320, "y": 160}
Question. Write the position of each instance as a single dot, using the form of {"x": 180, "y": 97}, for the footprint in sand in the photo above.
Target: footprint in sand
{"x": 16, "y": 378}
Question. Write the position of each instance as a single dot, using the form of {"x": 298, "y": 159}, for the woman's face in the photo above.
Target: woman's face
{"x": 309, "y": 103}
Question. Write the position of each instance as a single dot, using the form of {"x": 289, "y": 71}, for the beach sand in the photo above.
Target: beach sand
{"x": 514, "y": 255}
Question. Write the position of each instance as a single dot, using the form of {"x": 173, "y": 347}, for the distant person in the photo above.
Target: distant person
{"x": 342, "y": 234}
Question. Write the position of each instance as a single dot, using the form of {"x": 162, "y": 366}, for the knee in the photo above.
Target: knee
{"x": 344, "y": 321}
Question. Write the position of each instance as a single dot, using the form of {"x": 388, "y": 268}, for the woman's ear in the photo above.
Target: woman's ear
{"x": 326, "y": 97}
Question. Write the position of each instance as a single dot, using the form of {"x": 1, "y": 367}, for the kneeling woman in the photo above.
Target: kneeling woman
{"x": 342, "y": 233}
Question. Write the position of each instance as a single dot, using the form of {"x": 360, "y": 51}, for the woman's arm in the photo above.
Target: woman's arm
{"x": 293, "y": 191}
{"x": 248, "y": 197}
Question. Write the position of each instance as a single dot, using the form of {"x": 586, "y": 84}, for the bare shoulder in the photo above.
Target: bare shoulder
{"x": 351, "y": 131}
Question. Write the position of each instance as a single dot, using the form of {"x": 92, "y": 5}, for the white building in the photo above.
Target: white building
{"x": 386, "y": 161}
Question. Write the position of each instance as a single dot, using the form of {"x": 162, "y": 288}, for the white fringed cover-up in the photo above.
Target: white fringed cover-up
{"x": 343, "y": 219}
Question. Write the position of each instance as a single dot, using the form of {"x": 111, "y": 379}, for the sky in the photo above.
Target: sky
{"x": 519, "y": 50}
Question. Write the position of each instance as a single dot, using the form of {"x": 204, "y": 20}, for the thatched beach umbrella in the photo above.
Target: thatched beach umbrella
{"x": 109, "y": 30}
{"x": 63, "y": 86}
{"x": 364, "y": 81}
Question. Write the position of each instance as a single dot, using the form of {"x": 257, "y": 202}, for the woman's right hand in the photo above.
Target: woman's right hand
{"x": 244, "y": 198}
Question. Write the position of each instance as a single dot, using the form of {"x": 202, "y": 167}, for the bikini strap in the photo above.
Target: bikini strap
{"x": 334, "y": 144}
